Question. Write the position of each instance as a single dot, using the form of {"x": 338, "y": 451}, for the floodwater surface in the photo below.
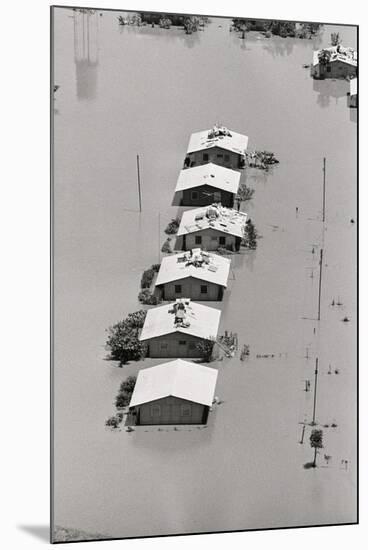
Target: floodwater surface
{"x": 126, "y": 91}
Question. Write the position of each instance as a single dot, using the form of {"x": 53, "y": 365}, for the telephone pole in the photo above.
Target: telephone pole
{"x": 139, "y": 185}
{"x": 320, "y": 284}
{"x": 315, "y": 393}
{"x": 324, "y": 190}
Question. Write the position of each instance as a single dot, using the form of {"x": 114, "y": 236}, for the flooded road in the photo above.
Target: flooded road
{"x": 128, "y": 91}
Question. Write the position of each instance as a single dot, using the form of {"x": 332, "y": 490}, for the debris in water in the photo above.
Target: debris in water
{"x": 346, "y": 320}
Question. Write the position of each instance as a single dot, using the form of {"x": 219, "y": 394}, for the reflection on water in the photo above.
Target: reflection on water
{"x": 86, "y": 53}
{"x": 330, "y": 89}
{"x": 354, "y": 115}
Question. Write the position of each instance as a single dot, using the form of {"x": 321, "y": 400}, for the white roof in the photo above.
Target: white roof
{"x": 209, "y": 174}
{"x": 346, "y": 55}
{"x": 218, "y": 137}
{"x": 196, "y": 263}
{"x": 178, "y": 378}
{"x": 353, "y": 86}
{"x": 201, "y": 321}
{"x": 226, "y": 220}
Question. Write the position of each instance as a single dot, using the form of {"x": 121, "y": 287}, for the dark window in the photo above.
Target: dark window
{"x": 205, "y": 156}
{"x": 194, "y": 195}
{"x": 198, "y": 239}
{"x": 328, "y": 68}
{"x": 155, "y": 410}
{"x": 177, "y": 289}
{"x": 220, "y": 155}
{"x": 222, "y": 240}
{"x": 186, "y": 410}
{"x": 182, "y": 342}
{"x": 203, "y": 289}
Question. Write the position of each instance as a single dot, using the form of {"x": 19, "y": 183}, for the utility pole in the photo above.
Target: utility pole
{"x": 324, "y": 190}
{"x": 159, "y": 236}
{"x": 320, "y": 284}
{"x": 139, "y": 185}
{"x": 315, "y": 393}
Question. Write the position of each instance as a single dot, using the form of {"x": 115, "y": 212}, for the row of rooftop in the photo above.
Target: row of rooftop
{"x": 181, "y": 391}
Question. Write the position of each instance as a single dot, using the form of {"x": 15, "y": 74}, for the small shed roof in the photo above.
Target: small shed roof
{"x": 196, "y": 320}
{"x": 345, "y": 55}
{"x": 178, "y": 378}
{"x": 353, "y": 86}
{"x": 209, "y": 174}
{"x": 217, "y": 217}
{"x": 194, "y": 263}
{"x": 218, "y": 136}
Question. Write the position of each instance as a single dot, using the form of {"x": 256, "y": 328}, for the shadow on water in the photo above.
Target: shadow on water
{"x": 353, "y": 115}
{"x": 330, "y": 89}
{"x": 86, "y": 53}
{"x": 173, "y": 439}
{"x": 41, "y": 532}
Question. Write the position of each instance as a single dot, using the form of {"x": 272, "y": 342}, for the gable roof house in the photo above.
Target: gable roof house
{"x": 210, "y": 228}
{"x": 217, "y": 145}
{"x": 195, "y": 274}
{"x": 205, "y": 184}
{"x": 178, "y": 392}
{"x": 175, "y": 329}
{"x": 334, "y": 62}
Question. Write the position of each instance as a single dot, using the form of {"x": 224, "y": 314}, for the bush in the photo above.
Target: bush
{"x": 166, "y": 248}
{"x": 245, "y": 193}
{"x": 125, "y": 392}
{"x": 206, "y": 349}
{"x": 173, "y": 226}
{"x": 122, "y": 340}
{"x": 146, "y": 297}
{"x": 147, "y": 278}
{"x": 112, "y": 422}
{"x": 250, "y": 235}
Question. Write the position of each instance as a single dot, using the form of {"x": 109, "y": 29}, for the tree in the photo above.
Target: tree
{"x": 250, "y": 235}
{"x": 245, "y": 193}
{"x": 324, "y": 57}
{"x": 206, "y": 349}
{"x": 316, "y": 442}
{"x": 335, "y": 39}
{"x": 122, "y": 340}
{"x": 125, "y": 392}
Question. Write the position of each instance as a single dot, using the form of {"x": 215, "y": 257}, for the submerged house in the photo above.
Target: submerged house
{"x": 196, "y": 274}
{"x": 205, "y": 184}
{"x": 175, "y": 329}
{"x": 334, "y": 62}
{"x": 178, "y": 392}
{"x": 210, "y": 228}
{"x": 218, "y": 145}
{"x": 353, "y": 94}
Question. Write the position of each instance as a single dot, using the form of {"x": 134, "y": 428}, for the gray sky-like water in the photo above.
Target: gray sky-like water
{"x": 127, "y": 91}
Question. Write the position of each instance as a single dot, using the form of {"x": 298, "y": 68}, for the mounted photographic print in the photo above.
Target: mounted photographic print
{"x": 204, "y": 270}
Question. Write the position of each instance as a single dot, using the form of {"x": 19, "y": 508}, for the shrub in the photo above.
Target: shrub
{"x": 166, "y": 248}
{"x": 125, "y": 392}
{"x": 146, "y": 297}
{"x": 245, "y": 193}
{"x": 173, "y": 226}
{"x": 250, "y": 235}
{"x": 112, "y": 422}
{"x": 122, "y": 340}
{"x": 147, "y": 278}
{"x": 206, "y": 349}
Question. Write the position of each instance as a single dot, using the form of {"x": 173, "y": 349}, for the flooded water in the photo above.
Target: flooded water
{"x": 128, "y": 91}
